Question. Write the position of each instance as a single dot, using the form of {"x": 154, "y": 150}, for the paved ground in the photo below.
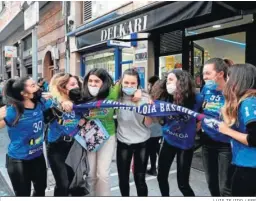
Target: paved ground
{"x": 197, "y": 178}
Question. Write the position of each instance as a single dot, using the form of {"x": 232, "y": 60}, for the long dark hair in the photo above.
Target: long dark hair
{"x": 240, "y": 85}
{"x": 12, "y": 91}
{"x": 132, "y": 72}
{"x": 104, "y": 90}
{"x": 158, "y": 90}
{"x": 185, "y": 94}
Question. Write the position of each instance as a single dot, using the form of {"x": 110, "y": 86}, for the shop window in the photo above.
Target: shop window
{"x": 168, "y": 63}
{"x": 101, "y": 60}
{"x": 28, "y": 43}
{"x": 27, "y": 46}
{"x": 29, "y": 71}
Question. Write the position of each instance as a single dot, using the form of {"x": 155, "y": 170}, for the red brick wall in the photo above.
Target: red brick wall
{"x": 51, "y": 31}
{"x": 51, "y": 25}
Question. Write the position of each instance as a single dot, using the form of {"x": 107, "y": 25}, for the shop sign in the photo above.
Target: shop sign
{"x": 119, "y": 43}
{"x": 126, "y": 28}
{"x": 153, "y": 19}
{"x": 10, "y": 51}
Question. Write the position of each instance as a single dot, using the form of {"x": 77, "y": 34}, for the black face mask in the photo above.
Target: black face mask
{"x": 75, "y": 95}
{"x": 37, "y": 95}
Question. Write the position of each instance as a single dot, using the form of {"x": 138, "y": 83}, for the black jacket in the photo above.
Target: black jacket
{"x": 77, "y": 159}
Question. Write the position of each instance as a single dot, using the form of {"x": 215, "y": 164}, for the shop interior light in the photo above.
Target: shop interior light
{"x": 230, "y": 41}
{"x": 216, "y": 26}
{"x": 222, "y": 39}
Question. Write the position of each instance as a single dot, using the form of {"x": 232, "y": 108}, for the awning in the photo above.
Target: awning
{"x": 171, "y": 16}
{"x": 171, "y": 13}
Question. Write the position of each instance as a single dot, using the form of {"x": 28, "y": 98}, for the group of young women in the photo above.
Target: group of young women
{"x": 228, "y": 154}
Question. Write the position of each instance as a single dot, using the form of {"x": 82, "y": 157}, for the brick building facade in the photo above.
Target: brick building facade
{"x": 51, "y": 34}
{"x": 51, "y": 39}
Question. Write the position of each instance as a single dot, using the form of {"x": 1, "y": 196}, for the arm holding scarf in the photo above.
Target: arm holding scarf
{"x": 247, "y": 139}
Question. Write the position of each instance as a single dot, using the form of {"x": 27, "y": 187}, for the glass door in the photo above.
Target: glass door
{"x": 197, "y": 53}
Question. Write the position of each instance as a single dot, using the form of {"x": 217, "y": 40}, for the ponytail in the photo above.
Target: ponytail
{"x": 12, "y": 91}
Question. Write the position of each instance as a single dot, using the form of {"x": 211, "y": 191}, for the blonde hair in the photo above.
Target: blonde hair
{"x": 241, "y": 85}
{"x": 231, "y": 106}
{"x": 57, "y": 86}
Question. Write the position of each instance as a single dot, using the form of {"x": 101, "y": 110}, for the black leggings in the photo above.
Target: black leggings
{"x": 184, "y": 159}
{"x": 124, "y": 158}
{"x": 244, "y": 182}
{"x": 153, "y": 147}
{"x": 63, "y": 174}
{"x": 23, "y": 172}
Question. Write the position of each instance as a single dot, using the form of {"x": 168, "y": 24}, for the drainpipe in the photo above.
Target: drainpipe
{"x": 67, "y": 51}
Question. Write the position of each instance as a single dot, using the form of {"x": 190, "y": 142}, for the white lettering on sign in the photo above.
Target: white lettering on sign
{"x": 125, "y": 28}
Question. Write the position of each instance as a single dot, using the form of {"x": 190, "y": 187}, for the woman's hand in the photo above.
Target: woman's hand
{"x": 148, "y": 121}
{"x": 198, "y": 126}
{"x": 2, "y": 112}
{"x": 151, "y": 102}
{"x": 67, "y": 106}
{"x": 224, "y": 128}
{"x": 82, "y": 122}
{"x": 137, "y": 96}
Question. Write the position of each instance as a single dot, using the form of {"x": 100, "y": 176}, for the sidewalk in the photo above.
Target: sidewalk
{"x": 5, "y": 183}
{"x": 197, "y": 178}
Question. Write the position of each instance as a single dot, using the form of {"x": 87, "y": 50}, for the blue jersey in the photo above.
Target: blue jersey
{"x": 243, "y": 155}
{"x": 69, "y": 122}
{"x": 180, "y": 130}
{"x": 27, "y": 136}
{"x": 212, "y": 102}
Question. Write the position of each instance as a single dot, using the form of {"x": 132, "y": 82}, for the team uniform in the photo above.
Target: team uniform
{"x": 59, "y": 142}
{"x": 179, "y": 133}
{"x": 244, "y": 157}
{"x": 216, "y": 150}
{"x": 25, "y": 159}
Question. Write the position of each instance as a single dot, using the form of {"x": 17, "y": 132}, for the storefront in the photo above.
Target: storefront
{"x": 163, "y": 37}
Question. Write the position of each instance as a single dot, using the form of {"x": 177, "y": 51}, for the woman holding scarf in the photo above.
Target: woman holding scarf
{"x": 216, "y": 149}
{"x": 239, "y": 113}
{"x": 133, "y": 131}
{"x": 59, "y": 141}
{"x": 178, "y": 132}
{"x": 98, "y": 85}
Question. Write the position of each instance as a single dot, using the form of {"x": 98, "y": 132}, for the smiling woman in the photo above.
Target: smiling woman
{"x": 23, "y": 117}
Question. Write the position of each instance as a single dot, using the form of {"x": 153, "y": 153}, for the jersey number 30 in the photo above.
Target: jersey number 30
{"x": 37, "y": 126}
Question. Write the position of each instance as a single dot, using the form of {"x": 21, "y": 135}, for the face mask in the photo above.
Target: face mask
{"x": 129, "y": 91}
{"x": 37, "y": 95}
{"x": 171, "y": 88}
{"x": 94, "y": 91}
{"x": 75, "y": 94}
{"x": 211, "y": 84}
